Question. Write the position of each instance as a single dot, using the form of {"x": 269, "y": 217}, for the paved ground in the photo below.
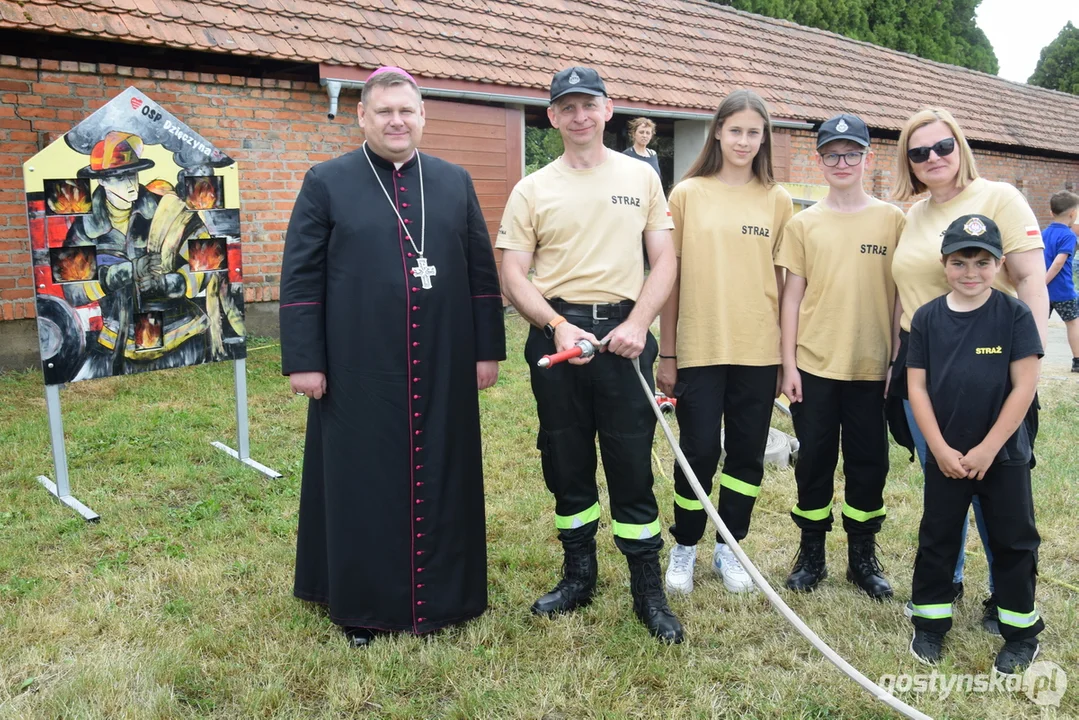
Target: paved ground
{"x": 1058, "y": 357}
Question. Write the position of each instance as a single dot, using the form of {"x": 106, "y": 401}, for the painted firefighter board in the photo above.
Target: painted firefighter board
{"x": 135, "y": 230}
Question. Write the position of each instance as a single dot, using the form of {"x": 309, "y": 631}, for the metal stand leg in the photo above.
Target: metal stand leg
{"x": 61, "y": 489}
{"x": 244, "y": 455}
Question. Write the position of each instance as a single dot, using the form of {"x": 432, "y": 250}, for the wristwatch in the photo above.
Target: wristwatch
{"x": 548, "y": 329}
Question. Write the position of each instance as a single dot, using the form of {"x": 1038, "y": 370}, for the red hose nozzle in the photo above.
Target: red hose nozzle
{"x": 583, "y": 348}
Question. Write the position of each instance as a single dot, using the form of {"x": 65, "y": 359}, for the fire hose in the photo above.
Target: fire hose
{"x": 585, "y": 349}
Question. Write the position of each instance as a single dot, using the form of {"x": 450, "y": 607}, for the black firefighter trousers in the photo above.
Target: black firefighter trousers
{"x": 851, "y": 412}
{"x": 577, "y": 402}
{"x": 1008, "y": 509}
{"x": 738, "y": 399}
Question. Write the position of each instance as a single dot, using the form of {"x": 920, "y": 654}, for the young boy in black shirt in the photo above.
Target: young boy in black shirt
{"x": 972, "y": 370}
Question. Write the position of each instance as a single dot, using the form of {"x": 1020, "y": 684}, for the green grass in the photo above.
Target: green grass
{"x": 178, "y": 603}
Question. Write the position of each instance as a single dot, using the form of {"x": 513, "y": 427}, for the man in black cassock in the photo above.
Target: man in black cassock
{"x": 391, "y": 317}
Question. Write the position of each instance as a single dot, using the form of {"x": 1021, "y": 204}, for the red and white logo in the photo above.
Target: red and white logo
{"x": 136, "y": 103}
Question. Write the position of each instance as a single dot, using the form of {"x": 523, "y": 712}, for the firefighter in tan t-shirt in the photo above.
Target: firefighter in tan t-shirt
{"x": 580, "y": 220}
{"x": 837, "y": 315}
{"x": 720, "y": 328}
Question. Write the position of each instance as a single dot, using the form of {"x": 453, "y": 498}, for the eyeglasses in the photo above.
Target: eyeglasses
{"x": 851, "y": 158}
{"x": 941, "y": 148}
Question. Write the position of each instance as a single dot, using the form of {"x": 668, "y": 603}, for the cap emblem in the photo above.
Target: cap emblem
{"x": 842, "y": 125}
{"x": 574, "y": 78}
{"x": 974, "y": 226}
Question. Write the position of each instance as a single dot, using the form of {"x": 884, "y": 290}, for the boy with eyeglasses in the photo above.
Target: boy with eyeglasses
{"x": 837, "y": 317}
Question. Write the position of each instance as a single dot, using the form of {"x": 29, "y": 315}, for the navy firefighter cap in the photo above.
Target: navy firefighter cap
{"x": 843, "y": 127}
{"x": 972, "y": 231}
{"x": 577, "y": 80}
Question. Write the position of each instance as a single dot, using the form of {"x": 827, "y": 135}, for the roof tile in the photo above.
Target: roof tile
{"x": 115, "y": 25}
{"x": 84, "y": 20}
{"x": 112, "y": 5}
{"x": 38, "y": 16}
{"x": 683, "y": 53}
{"x": 11, "y": 13}
{"x": 147, "y": 7}
{"x": 284, "y": 48}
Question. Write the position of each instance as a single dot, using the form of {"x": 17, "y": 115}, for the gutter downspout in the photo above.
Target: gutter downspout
{"x": 333, "y": 89}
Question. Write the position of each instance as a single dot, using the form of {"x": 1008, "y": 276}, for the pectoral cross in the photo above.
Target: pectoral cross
{"x": 424, "y": 272}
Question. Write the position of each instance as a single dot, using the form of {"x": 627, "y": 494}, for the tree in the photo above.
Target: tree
{"x": 1058, "y": 66}
{"x": 942, "y": 30}
{"x": 542, "y": 145}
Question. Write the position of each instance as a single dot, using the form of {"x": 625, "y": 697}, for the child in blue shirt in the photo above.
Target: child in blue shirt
{"x": 1059, "y": 248}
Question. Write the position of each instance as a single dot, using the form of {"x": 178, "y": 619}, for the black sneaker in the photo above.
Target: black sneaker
{"x": 1075, "y": 365}
{"x": 927, "y": 646}
{"x": 1016, "y": 656}
{"x": 991, "y": 618}
{"x": 359, "y": 637}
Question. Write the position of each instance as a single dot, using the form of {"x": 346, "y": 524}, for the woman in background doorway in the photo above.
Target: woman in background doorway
{"x": 641, "y": 131}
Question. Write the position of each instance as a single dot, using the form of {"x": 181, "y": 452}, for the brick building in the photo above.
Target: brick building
{"x": 257, "y": 78}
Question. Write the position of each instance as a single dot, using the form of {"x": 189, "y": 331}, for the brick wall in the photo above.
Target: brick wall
{"x": 275, "y": 130}
{"x": 1038, "y": 178}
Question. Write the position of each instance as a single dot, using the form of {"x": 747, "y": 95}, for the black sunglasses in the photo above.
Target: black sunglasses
{"x": 941, "y": 148}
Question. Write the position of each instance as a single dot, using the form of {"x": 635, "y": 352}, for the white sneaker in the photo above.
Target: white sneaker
{"x": 680, "y": 569}
{"x": 727, "y": 566}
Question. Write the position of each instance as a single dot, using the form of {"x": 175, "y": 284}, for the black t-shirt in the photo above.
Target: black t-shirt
{"x": 967, "y": 358}
{"x": 652, "y": 159}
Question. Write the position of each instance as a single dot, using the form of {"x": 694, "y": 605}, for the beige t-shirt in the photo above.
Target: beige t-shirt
{"x": 918, "y": 274}
{"x": 585, "y": 226}
{"x": 727, "y": 237}
{"x": 845, "y": 320}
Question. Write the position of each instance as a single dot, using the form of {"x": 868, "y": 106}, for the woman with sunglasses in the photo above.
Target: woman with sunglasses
{"x": 934, "y": 156}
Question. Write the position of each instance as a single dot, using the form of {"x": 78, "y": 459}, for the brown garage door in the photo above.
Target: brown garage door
{"x": 486, "y": 141}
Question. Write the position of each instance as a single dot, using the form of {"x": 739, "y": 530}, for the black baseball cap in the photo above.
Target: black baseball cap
{"x": 577, "y": 80}
{"x": 843, "y": 127}
{"x": 972, "y": 231}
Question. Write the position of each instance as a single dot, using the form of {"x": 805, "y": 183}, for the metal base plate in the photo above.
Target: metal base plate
{"x": 69, "y": 500}
{"x": 268, "y": 472}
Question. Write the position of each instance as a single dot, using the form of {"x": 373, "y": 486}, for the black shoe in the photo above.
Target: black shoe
{"x": 649, "y": 602}
{"x": 957, "y": 588}
{"x": 359, "y": 637}
{"x": 991, "y": 618}
{"x": 927, "y": 646}
{"x": 1016, "y": 656}
{"x": 578, "y": 583}
{"x": 864, "y": 569}
{"x": 1075, "y": 365}
{"x": 809, "y": 567}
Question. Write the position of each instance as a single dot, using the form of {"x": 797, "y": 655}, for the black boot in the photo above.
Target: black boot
{"x": 864, "y": 569}
{"x": 578, "y": 582}
{"x": 649, "y": 602}
{"x": 809, "y": 568}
